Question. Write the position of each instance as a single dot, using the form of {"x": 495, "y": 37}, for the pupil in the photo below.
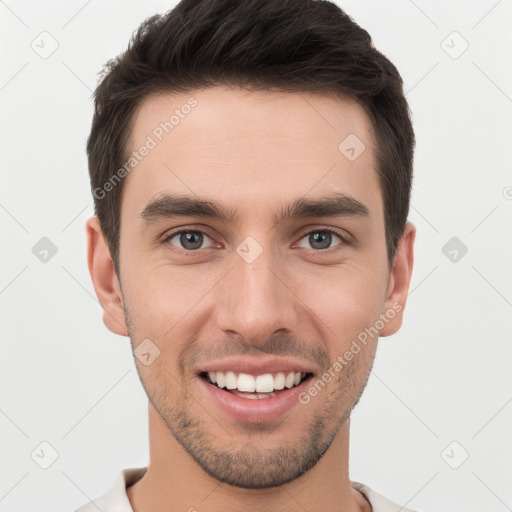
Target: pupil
{"x": 188, "y": 238}
{"x": 320, "y": 235}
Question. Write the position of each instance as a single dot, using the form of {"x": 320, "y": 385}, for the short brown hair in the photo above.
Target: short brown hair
{"x": 286, "y": 45}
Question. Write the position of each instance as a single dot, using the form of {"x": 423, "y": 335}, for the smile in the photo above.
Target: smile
{"x": 255, "y": 386}
{"x": 254, "y": 398}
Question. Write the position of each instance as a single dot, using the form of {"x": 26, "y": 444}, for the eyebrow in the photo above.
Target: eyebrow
{"x": 169, "y": 206}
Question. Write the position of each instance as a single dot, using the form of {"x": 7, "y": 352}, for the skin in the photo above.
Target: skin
{"x": 255, "y": 152}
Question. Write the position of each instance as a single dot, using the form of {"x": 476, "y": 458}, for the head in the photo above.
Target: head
{"x": 251, "y": 166}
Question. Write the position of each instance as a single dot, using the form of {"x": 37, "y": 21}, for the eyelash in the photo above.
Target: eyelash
{"x": 343, "y": 239}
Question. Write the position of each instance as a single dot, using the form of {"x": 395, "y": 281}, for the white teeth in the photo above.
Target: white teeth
{"x": 256, "y": 396}
{"x": 290, "y": 378}
{"x": 279, "y": 381}
{"x": 221, "y": 380}
{"x": 265, "y": 383}
{"x": 246, "y": 382}
{"x": 231, "y": 380}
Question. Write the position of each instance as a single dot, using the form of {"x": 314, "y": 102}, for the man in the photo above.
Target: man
{"x": 251, "y": 164}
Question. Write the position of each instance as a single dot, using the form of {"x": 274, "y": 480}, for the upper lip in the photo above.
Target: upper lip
{"x": 254, "y": 366}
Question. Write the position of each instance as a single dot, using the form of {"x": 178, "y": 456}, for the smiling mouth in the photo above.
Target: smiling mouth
{"x": 255, "y": 387}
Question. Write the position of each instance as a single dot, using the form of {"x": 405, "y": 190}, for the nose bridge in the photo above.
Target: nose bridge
{"x": 255, "y": 302}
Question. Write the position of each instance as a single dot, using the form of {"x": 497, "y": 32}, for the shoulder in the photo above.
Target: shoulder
{"x": 116, "y": 499}
{"x": 378, "y": 502}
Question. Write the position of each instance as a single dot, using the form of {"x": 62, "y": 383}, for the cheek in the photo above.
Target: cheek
{"x": 164, "y": 298}
{"x": 348, "y": 301}
{"x": 165, "y": 306}
{"x": 161, "y": 293}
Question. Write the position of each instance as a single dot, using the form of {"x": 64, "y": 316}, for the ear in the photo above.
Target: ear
{"x": 104, "y": 278}
{"x": 399, "y": 281}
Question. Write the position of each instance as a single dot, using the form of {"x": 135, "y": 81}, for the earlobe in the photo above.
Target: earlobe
{"x": 104, "y": 278}
{"x": 399, "y": 281}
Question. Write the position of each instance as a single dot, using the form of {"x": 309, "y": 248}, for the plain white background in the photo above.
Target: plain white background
{"x": 441, "y": 388}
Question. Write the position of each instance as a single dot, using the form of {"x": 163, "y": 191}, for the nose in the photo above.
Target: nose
{"x": 256, "y": 299}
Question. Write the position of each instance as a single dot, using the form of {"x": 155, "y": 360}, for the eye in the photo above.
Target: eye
{"x": 189, "y": 240}
{"x": 192, "y": 240}
{"x": 321, "y": 239}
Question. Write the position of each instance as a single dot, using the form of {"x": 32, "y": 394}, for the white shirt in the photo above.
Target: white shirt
{"x": 116, "y": 500}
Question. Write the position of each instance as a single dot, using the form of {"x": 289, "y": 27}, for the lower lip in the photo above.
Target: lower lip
{"x": 254, "y": 410}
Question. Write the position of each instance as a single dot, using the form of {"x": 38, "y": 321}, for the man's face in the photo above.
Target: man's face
{"x": 255, "y": 287}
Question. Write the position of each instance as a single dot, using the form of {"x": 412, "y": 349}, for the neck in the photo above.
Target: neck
{"x": 175, "y": 482}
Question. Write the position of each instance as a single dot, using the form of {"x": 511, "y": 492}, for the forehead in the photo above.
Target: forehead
{"x": 252, "y": 149}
